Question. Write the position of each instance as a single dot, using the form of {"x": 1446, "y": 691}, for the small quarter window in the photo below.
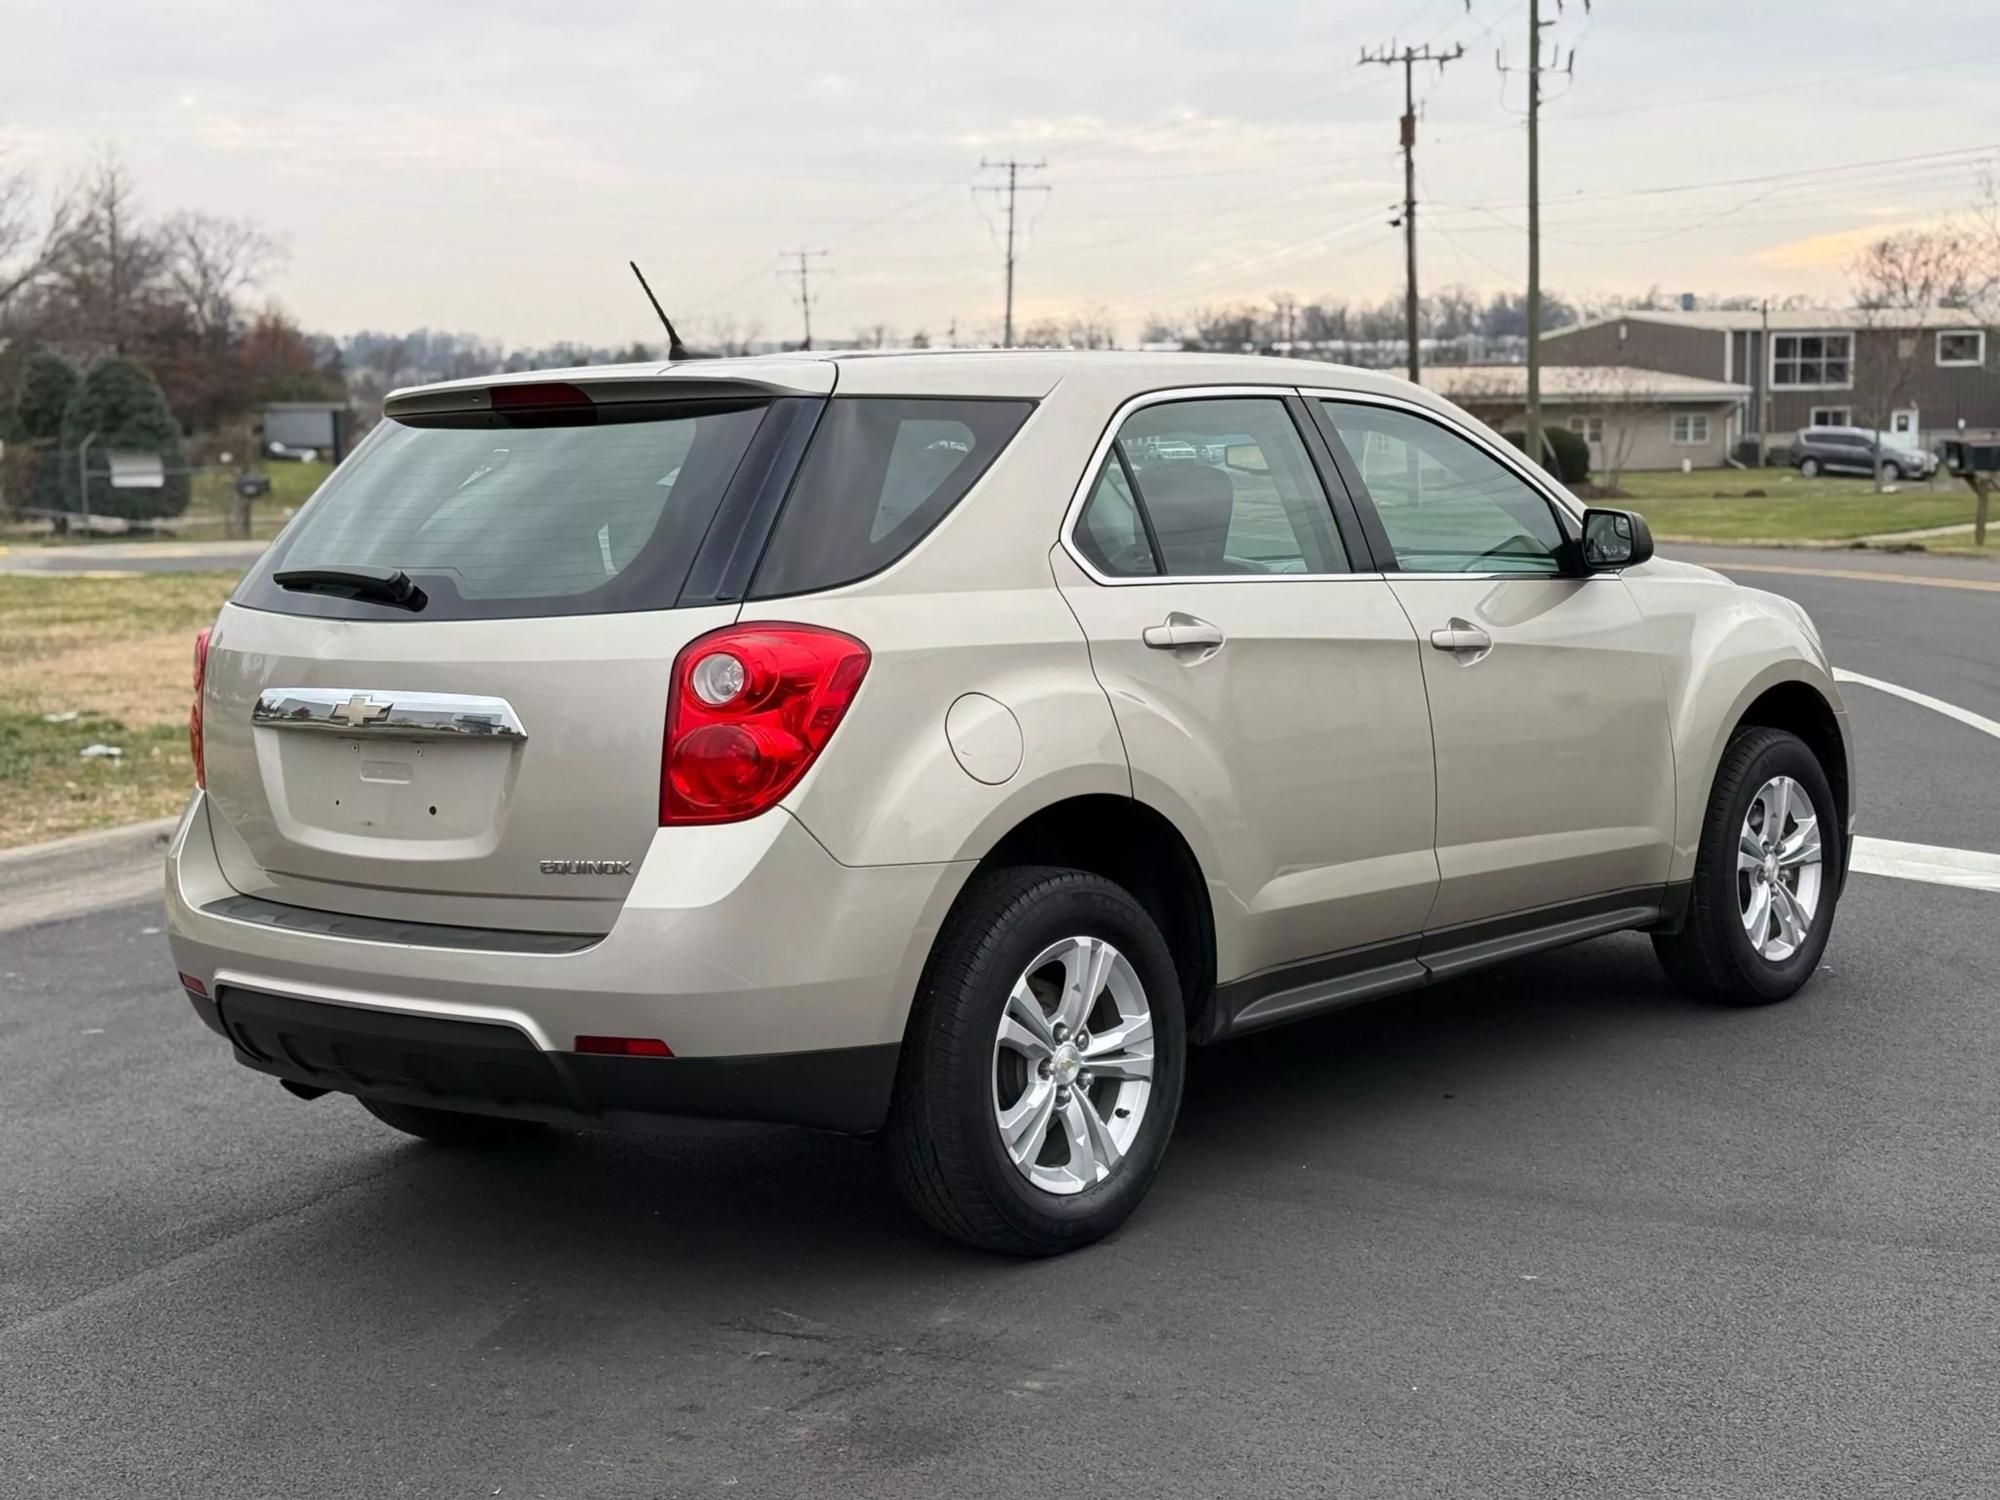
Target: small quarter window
{"x": 879, "y": 475}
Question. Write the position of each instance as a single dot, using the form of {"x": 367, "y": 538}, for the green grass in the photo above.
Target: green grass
{"x": 117, "y": 654}
{"x": 211, "y": 508}
{"x": 1722, "y": 504}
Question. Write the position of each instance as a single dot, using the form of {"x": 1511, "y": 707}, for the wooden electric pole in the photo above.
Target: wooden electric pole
{"x": 1014, "y": 169}
{"x": 1409, "y": 57}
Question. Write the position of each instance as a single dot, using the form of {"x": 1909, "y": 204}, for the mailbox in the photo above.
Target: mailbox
{"x": 1964, "y": 459}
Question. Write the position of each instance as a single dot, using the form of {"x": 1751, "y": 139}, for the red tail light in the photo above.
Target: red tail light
{"x": 750, "y": 708}
{"x": 624, "y": 1046}
{"x": 194, "y": 712}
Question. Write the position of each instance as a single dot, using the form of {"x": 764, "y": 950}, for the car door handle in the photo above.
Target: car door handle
{"x": 1461, "y": 637}
{"x": 1180, "y": 632}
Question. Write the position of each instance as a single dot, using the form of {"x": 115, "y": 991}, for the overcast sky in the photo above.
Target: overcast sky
{"x": 490, "y": 167}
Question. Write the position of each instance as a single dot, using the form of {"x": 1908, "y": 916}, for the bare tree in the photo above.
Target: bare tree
{"x": 1621, "y": 398}
{"x": 1896, "y": 280}
{"x": 33, "y": 230}
{"x": 210, "y": 262}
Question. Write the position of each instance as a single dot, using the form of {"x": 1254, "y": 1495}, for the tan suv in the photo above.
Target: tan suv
{"x": 938, "y": 744}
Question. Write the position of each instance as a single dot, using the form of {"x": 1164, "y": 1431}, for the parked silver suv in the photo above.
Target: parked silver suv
{"x": 939, "y": 744}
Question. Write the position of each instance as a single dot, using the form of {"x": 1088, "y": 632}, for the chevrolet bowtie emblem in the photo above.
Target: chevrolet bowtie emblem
{"x": 361, "y": 709}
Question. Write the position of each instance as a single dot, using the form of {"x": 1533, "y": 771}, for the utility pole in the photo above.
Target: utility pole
{"x": 1014, "y": 169}
{"x": 1531, "y": 438}
{"x": 804, "y": 296}
{"x": 1409, "y": 57}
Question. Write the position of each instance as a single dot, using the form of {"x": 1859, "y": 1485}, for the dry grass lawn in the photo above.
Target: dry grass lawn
{"x": 117, "y": 654}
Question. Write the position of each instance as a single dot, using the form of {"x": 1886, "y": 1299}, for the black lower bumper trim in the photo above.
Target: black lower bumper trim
{"x": 488, "y": 1068}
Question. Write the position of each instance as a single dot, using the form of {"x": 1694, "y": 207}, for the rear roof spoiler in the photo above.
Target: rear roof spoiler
{"x": 614, "y": 386}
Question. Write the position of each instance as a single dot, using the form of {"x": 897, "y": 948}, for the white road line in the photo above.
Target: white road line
{"x": 1973, "y": 869}
{"x": 1936, "y": 705}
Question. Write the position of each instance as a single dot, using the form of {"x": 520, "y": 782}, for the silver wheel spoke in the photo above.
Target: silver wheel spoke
{"x": 1124, "y": 1052}
{"x": 1024, "y": 1125}
{"x": 1803, "y": 846}
{"x": 1749, "y": 853}
{"x": 1777, "y": 808}
{"x": 1791, "y": 925}
{"x": 1092, "y": 1151}
{"x": 1025, "y": 1027}
{"x": 1757, "y": 919}
{"x": 1085, "y": 969}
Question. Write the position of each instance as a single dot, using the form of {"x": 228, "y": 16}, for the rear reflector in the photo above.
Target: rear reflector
{"x": 193, "y": 985}
{"x": 538, "y": 395}
{"x": 194, "y": 710}
{"x": 624, "y": 1046}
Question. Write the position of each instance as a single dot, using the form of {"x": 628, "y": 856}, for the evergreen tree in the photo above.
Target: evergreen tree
{"x": 120, "y": 402}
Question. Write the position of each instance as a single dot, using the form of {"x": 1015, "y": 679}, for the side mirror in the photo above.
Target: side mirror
{"x": 1615, "y": 539}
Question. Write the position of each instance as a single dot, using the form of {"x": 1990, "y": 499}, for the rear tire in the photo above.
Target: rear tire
{"x": 451, "y": 1127}
{"x": 1715, "y": 955}
{"x": 996, "y": 1083}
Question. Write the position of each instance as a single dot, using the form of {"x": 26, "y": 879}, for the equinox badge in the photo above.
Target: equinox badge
{"x": 586, "y": 867}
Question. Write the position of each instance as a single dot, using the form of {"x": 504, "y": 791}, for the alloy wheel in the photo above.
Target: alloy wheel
{"x": 1779, "y": 868}
{"x": 1073, "y": 1065}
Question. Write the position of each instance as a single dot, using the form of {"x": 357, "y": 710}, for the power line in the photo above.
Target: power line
{"x": 1409, "y": 57}
{"x": 804, "y": 297}
{"x": 1014, "y": 169}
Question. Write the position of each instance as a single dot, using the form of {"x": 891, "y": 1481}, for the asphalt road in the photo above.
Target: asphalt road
{"x": 1553, "y": 1231}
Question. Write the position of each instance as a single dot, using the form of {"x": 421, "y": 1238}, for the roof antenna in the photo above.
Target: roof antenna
{"x": 675, "y": 348}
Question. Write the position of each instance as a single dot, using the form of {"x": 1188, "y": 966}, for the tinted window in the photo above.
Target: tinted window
{"x": 1447, "y": 505}
{"x": 879, "y": 475}
{"x": 562, "y": 512}
{"x": 1110, "y": 532}
{"x": 1229, "y": 489}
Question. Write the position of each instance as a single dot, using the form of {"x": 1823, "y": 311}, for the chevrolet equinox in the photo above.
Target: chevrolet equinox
{"x": 939, "y": 744}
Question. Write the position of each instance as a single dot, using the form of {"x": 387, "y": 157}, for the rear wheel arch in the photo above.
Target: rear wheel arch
{"x": 1137, "y": 847}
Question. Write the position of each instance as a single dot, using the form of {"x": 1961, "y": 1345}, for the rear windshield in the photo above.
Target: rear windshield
{"x": 494, "y": 516}
{"x": 880, "y": 474}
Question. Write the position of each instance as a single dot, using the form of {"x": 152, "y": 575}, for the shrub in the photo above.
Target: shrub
{"x": 121, "y": 403}
{"x": 48, "y": 381}
{"x": 1565, "y": 454}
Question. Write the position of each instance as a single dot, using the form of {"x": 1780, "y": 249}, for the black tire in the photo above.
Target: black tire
{"x": 1809, "y": 467}
{"x": 1892, "y": 473}
{"x": 451, "y": 1127}
{"x": 1712, "y": 957}
{"x": 944, "y": 1145}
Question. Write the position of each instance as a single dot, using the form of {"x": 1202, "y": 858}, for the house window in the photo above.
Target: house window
{"x": 1812, "y": 359}
{"x": 1590, "y": 429}
{"x": 1831, "y": 416}
{"x": 1962, "y": 346}
{"x": 1690, "y": 428}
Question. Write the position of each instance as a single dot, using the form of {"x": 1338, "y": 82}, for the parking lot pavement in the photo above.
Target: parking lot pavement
{"x": 1550, "y": 1231}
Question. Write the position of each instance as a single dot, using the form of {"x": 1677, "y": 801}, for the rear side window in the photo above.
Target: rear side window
{"x": 566, "y": 512}
{"x": 879, "y": 475}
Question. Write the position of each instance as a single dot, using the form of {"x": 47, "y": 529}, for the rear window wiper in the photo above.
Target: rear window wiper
{"x": 376, "y": 585}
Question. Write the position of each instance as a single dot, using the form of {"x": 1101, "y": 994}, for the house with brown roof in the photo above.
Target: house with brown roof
{"x": 1632, "y": 418}
{"x": 1925, "y": 374}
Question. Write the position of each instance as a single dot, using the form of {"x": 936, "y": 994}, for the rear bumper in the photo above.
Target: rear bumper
{"x": 492, "y": 1069}
{"x": 780, "y": 978}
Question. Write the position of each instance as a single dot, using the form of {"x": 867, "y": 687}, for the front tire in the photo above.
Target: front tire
{"x": 1041, "y": 1074}
{"x": 1809, "y": 467}
{"x": 1892, "y": 473}
{"x": 451, "y": 1127}
{"x": 1766, "y": 879}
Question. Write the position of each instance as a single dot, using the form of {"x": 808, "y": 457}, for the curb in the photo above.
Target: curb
{"x": 86, "y": 872}
{"x": 140, "y": 836}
